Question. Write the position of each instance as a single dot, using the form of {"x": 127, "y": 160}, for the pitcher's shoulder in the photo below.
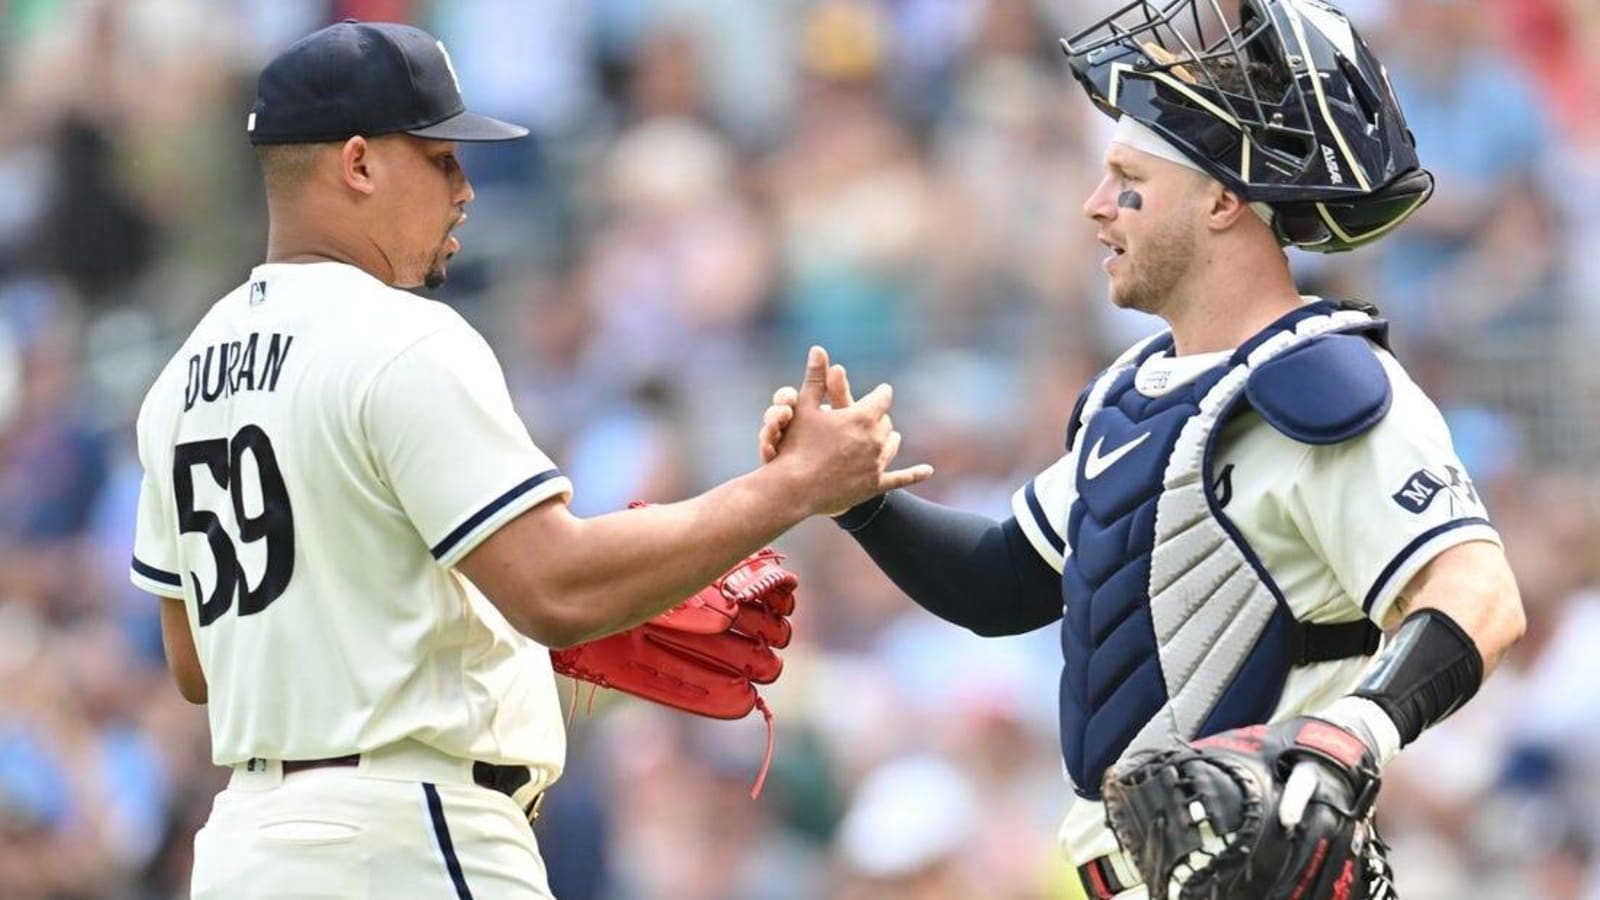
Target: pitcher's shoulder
{"x": 387, "y": 323}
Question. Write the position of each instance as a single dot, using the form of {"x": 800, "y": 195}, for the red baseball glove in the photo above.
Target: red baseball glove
{"x": 707, "y": 654}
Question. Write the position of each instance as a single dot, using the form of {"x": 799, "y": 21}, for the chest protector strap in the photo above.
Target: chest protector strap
{"x": 1173, "y": 629}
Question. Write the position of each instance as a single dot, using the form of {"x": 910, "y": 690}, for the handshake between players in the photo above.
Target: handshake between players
{"x": 841, "y": 451}
{"x": 777, "y": 423}
{"x": 709, "y": 654}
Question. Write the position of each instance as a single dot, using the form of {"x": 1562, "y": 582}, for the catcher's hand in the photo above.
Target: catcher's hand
{"x": 1258, "y": 813}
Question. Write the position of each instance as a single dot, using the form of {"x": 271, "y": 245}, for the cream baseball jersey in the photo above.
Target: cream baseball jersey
{"x": 1340, "y": 527}
{"x": 317, "y": 457}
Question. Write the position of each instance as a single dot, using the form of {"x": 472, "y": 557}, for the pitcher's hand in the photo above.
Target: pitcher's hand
{"x": 843, "y": 447}
{"x": 778, "y": 415}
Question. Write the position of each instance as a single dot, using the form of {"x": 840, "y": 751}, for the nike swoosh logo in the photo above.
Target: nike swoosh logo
{"x": 1096, "y": 464}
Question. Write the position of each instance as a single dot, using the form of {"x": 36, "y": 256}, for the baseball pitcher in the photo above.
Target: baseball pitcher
{"x": 362, "y": 556}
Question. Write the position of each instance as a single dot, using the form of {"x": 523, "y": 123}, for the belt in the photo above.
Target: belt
{"x": 507, "y": 780}
{"x": 1100, "y": 879}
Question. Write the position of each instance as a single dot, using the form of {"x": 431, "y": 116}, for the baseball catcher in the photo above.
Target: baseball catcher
{"x": 1245, "y": 503}
{"x": 707, "y": 654}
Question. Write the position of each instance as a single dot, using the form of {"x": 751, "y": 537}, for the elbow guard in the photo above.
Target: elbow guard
{"x": 1430, "y": 669}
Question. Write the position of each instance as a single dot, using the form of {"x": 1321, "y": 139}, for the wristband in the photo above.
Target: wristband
{"x": 1426, "y": 673}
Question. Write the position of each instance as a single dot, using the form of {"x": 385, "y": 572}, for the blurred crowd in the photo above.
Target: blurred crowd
{"x": 711, "y": 186}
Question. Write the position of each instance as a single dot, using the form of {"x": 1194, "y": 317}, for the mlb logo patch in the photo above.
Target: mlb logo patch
{"x": 258, "y": 293}
{"x": 1419, "y": 491}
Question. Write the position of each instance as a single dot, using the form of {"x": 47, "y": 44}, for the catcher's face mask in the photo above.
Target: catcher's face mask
{"x": 1280, "y": 100}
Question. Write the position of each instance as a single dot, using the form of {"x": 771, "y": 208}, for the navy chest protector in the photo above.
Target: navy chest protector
{"x": 1173, "y": 629}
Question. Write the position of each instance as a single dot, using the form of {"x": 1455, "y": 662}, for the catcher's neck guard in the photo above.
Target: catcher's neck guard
{"x": 1283, "y": 103}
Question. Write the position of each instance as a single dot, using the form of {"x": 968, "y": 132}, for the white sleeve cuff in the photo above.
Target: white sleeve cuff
{"x": 472, "y": 531}
{"x": 156, "y": 581}
{"x": 1030, "y": 514}
{"x": 1411, "y": 558}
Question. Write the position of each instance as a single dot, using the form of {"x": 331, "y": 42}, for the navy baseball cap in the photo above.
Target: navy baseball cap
{"x": 366, "y": 78}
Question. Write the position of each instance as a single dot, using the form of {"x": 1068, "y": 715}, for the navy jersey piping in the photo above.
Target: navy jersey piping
{"x": 443, "y": 548}
{"x": 170, "y": 579}
{"x": 1408, "y": 551}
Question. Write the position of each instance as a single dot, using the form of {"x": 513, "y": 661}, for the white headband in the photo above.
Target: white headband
{"x": 1139, "y": 136}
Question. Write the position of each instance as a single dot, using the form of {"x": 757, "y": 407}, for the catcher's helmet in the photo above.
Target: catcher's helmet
{"x": 1283, "y": 103}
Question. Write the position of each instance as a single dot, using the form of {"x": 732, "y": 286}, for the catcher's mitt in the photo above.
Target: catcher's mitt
{"x": 1258, "y": 813}
{"x": 707, "y": 654}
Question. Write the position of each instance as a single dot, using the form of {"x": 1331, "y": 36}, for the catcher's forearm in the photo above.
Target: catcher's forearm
{"x": 1429, "y": 671}
{"x": 1463, "y": 612}
{"x": 962, "y": 567}
{"x": 1473, "y": 584}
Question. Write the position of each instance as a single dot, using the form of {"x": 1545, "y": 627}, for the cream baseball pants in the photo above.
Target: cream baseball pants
{"x": 403, "y": 823}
